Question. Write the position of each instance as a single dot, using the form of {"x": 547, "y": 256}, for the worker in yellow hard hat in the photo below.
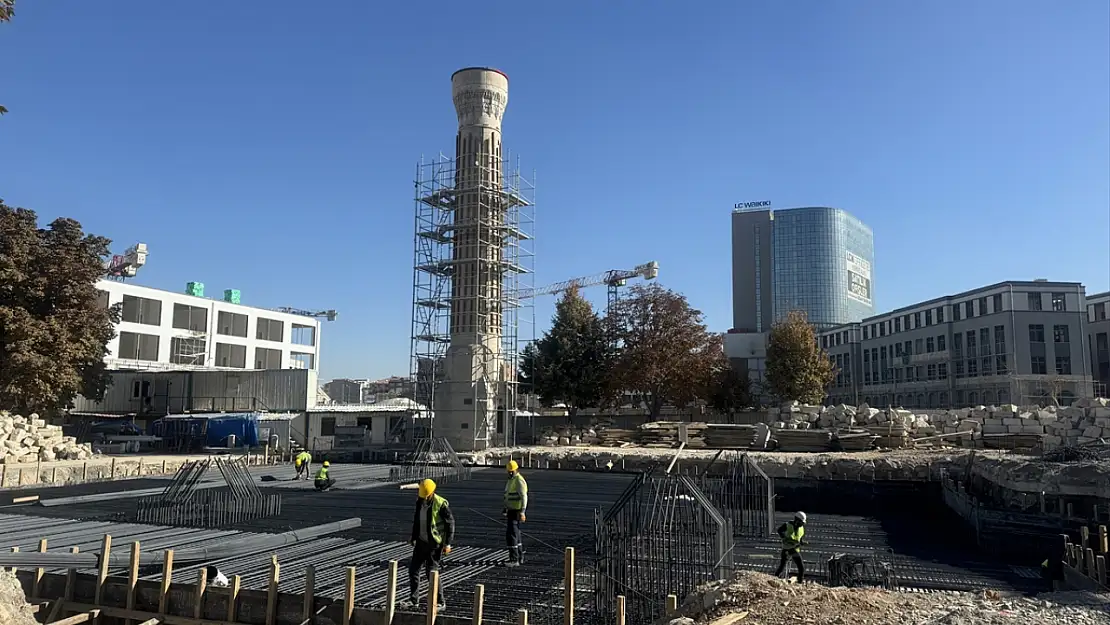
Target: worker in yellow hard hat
{"x": 302, "y": 461}
{"x": 516, "y": 506}
{"x": 323, "y": 482}
{"x": 433, "y": 527}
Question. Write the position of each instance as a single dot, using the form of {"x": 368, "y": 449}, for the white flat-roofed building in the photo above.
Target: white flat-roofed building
{"x": 167, "y": 330}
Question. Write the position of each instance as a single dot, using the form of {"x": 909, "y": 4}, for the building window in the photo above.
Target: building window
{"x": 188, "y": 350}
{"x": 327, "y": 426}
{"x": 1036, "y": 333}
{"x": 1063, "y": 365}
{"x": 301, "y": 360}
{"x": 986, "y": 369}
{"x": 957, "y": 344}
{"x": 928, "y": 317}
{"x": 134, "y": 346}
{"x": 142, "y": 310}
{"x": 1037, "y": 365}
{"x": 940, "y": 343}
{"x": 932, "y": 372}
{"x": 1060, "y": 334}
{"x": 192, "y": 318}
{"x": 366, "y": 422}
{"x": 882, "y": 329}
{"x": 942, "y": 371}
{"x": 908, "y": 348}
{"x": 1100, "y": 311}
{"x": 982, "y": 306}
{"x": 955, "y": 312}
{"x": 972, "y": 368}
{"x": 1059, "y": 302}
{"x": 940, "y": 314}
{"x": 304, "y": 335}
{"x": 270, "y": 330}
{"x": 231, "y": 324}
{"x": 984, "y": 341}
{"x": 959, "y": 368}
{"x": 919, "y": 346}
{"x": 969, "y": 309}
{"x": 929, "y": 345}
{"x": 996, "y": 301}
{"x": 102, "y": 299}
{"x": 970, "y": 338}
{"x": 267, "y": 358}
{"x": 228, "y": 355}
{"x": 1000, "y": 364}
{"x": 1034, "y": 301}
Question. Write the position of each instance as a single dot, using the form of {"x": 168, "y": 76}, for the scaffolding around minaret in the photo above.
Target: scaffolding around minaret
{"x": 467, "y": 271}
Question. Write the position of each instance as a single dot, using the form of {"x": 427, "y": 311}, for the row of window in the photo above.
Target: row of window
{"x": 194, "y": 351}
{"x": 939, "y": 399}
{"x": 960, "y": 310}
{"x": 1060, "y": 333}
{"x": 1098, "y": 312}
{"x": 147, "y": 311}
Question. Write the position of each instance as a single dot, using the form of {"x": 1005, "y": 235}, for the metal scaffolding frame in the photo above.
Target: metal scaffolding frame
{"x": 505, "y": 224}
{"x": 663, "y": 536}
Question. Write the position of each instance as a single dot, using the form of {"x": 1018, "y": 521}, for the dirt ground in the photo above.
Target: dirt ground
{"x": 14, "y": 609}
{"x": 768, "y": 600}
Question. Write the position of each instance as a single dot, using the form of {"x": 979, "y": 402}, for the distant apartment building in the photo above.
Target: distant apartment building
{"x": 1098, "y": 340}
{"x": 166, "y": 330}
{"x": 363, "y": 391}
{"x": 1012, "y": 342}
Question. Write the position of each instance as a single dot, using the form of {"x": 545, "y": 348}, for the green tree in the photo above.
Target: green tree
{"x": 569, "y": 364}
{"x": 797, "y": 368}
{"x": 54, "y": 329}
{"x": 7, "y": 10}
{"x": 728, "y": 390}
{"x": 663, "y": 349}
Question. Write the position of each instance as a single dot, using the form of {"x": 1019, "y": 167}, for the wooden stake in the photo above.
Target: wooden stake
{"x": 479, "y": 600}
{"x": 1084, "y": 537}
{"x": 84, "y": 471}
{"x": 522, "y": 617}
{"x": 28, "y": 499}
{"x": 433, "y": 598}
{"x": 1103, "y": 547}
{"x": 102, "y": 572}
{"x": 620, "y": 609}
{"x": 568, "y": 583}
{"x": 233, "y": 599}
{"x": 1089, "y": 564}
{"x": 309, "y": 593}
{"x": 202, "y": 587}
{"x": 112, "y": 475}
{"x": 672, "y": 605}
{"x": 36, "y": 590}
{"x": 167, "y": 579}
{"x": 391, "y": 593}
{"x": 14, "y": 550}
{"x": 71, "y": 578}
{"x": 133, "y": 575}
{"x": 272, "y": 591}
{"x": 1100, "y": 564}
{"x": 349, "y": 596}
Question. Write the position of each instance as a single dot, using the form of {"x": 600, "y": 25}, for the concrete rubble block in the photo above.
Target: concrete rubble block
{"x": 1092, "y": 432}
{"x": 968, "y": 425}
{"x": 991, "y": 428}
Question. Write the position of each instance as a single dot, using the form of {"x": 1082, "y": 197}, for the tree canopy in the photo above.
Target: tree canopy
{"x": 569, "y": 364}
{"x": 797, "y": 368}
{"x": 664, "y": 350}
{"x": 54, "y": 329}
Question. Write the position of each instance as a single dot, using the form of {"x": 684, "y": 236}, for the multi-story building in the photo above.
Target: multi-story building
{"x": 1098, "y": 338}
{"x": 361, "y": 391}
{"x": 817, "y": 260}
{"x": 166, "y": 330}
{"x": 346, "y": 390}
{"x": 1011, "y": 342}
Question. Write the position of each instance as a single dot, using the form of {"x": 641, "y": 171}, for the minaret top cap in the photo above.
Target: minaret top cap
{"x": 481, "y": 69}
{"x": 480, "y": 96}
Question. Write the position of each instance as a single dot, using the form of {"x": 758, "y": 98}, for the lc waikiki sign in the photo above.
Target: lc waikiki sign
{"x": 859, "y": 278}
{"x": 747, "y": 206}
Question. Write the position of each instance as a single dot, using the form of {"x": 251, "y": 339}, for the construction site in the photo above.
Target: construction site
{"x": 968, "y": 517}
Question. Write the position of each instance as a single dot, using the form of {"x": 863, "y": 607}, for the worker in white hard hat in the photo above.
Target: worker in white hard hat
{"x": 433, "y": 527}
{"x": 792, "y": 533}
{"x": 516, "y": 507}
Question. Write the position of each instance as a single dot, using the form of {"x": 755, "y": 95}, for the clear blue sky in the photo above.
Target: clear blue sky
{"x": 270, "y": 146}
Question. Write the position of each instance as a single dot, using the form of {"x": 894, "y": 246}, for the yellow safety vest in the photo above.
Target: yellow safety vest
{"x": 303, "y": 458}
{"x": 516, "y": 492}
{"x": 793, "y": 538}
{"x": 322, "y": 474}
{"x": 437, "y": 527}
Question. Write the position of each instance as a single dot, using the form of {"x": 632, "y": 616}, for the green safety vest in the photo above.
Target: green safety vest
{"x": 304, "y": 458}
{"x": 437, "y": 528}
{"x": 793, "y": 537}
{"x": 322, "y": 474}
{"x": 515, "y": 492}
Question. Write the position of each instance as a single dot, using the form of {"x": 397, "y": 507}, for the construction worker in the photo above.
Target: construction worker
{"x": 792, "y": 533}
{"x": 302, "y": 461}
{"x": 433, "y": 527}
{"x": 516, "y": 504}
{"x": 323, "y": 482}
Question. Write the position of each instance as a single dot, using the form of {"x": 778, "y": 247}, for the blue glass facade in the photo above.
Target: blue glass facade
{"x": 822, "y": 263}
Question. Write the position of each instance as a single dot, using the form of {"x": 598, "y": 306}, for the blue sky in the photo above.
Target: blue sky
{"x": 270, "y": 147}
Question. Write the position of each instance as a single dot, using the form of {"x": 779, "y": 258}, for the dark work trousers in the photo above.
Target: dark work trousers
{"x": 302, "y": 470}
{"x": 513, "y": 539}
{"x": 424, "y": 556}
{"x": 324, "y": 484}
{"x": 794, "y": 555}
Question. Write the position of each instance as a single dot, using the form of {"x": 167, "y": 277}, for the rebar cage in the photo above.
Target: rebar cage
{"x": 744, "y": 495}
{"x": 433, "y": 458}
{"x": 190, "y": 501}
{"x": 663, "y": 536}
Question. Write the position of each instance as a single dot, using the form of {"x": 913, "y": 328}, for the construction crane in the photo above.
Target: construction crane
{"x": 330, "y": 315}
{"x": 126, "y": 265}
{"x": 614, "y": 279}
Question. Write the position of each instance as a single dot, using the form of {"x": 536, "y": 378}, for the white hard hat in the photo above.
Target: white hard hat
{"x": 801, "y": 516}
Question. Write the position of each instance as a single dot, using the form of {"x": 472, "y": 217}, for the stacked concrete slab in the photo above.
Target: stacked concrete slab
{"x": 30, "y": 439}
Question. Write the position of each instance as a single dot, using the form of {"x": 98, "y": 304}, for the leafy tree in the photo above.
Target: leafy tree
{"x": 663, "y": 349}
{"x": 797, "y": 368}
{"x": 569, "y": 364}
{"x": 7, "y": 10}
{"x": 54, "y": 329}
{"x": 728, "y": 389}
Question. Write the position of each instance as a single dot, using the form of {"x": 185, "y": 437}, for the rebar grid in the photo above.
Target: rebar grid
{"x": 433, "y": 458}
{"x": 184, "y": 503}
{"x": 663, "y": 536}
{"x": 744, "y": 495}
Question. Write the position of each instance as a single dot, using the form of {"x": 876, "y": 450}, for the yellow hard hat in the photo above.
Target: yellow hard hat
{"x": 427, "y": 489}
{"x": 512, "y": 466}
{"x": 327, "y": 464}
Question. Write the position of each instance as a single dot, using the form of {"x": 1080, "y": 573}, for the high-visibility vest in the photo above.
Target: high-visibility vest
{"x": 437, "y": 527}
{"x": 516, "y": 492}
{"x": 792, "y": 539}
{"x": 303, "y": 458}
{"x": 322, "y": 474}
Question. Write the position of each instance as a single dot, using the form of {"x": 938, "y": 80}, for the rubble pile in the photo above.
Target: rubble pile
{"x": 566, "y": 434}
{"x": 30, "y": 439}
{"x": 666, "y": 434}
{"x": 764, "y": 600}
{"x": 14, "y": 609}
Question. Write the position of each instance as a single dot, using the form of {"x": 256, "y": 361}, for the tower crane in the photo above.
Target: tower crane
{"x": 330, "y": 315}
{"x": 126, "y": 265}
{"x": 614, "y": 279}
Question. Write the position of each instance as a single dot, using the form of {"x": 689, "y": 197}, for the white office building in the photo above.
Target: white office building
{"x": 166, "y": 330}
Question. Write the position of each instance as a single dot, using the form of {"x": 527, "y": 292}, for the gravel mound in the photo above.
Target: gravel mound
{"x": 772, "y": 601}
{"x": 13, "y": 603}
